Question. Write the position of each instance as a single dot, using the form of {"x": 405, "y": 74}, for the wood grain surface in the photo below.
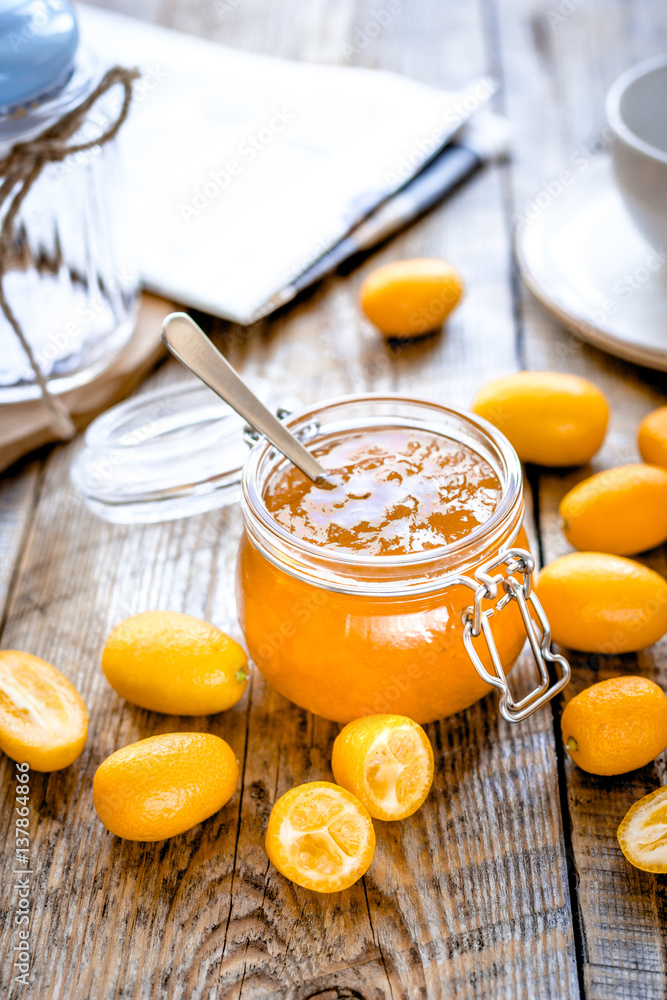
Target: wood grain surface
{"x": 508, "y": 884}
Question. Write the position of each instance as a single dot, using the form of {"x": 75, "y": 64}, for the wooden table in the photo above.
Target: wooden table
{"x": 509, "y": 883}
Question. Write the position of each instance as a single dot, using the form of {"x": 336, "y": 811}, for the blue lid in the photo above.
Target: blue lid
{"x": 38, "y": 43}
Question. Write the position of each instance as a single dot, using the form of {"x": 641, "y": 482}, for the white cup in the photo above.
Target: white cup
{"x": 637, "y": 116}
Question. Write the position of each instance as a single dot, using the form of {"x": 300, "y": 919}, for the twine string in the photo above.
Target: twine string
{"x": 19, "y": 170}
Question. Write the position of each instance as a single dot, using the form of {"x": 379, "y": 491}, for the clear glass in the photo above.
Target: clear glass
{"x": 175, "y": 451}
{"x": 347, "y": 634}
{"x": 70, "y": 279}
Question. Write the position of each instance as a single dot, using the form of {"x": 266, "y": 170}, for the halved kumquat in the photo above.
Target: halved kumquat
{"x": 320, "y": 837}
{"x": 387, "y": 762}
{"x": 43, "y": 720}
{"x": 643, "y": 832}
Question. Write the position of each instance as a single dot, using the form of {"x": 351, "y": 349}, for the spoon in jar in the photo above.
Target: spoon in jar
{"x": 188, "y": 342}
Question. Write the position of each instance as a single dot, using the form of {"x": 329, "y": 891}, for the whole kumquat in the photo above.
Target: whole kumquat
{"x": 622, "y": 511}
{"x": 408, "y": 298}
{"x": 164, "y": 785}
{"x": 600, "y": 603}
{"x": 652, "y": 437}
{"x": 173, "y": 663}
{"x": 616, "y": 725}
{"x": 551, "y": 418}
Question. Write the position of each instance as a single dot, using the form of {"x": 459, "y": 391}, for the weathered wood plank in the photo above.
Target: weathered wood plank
{"x": 570, "y": 62}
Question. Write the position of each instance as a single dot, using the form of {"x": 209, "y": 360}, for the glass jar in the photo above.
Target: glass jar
{"x": 69, "y": 278}
{"x": 346, "y": 634}
{"x": 341, "y": 633}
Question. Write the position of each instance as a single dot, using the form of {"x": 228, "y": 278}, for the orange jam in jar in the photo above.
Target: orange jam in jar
{"x": 392, "y": 490}
{"x": 350, "y": 595}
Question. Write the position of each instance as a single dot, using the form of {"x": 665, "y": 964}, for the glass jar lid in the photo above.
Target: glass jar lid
{"x": 44, "y": 71}
{"x": 38, "y": 44}
{"x": 170, "y": 453}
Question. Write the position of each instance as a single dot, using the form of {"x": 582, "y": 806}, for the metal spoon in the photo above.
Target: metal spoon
{"x": 191, "y": 346}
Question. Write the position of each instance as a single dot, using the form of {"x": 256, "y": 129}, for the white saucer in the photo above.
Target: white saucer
{"x": 580, "y": 255}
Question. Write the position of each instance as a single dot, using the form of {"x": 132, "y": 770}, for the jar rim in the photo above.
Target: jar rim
{"x": 285, "y": 549}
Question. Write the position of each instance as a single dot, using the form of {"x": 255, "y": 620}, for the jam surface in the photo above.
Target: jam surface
{"x": 396, "y": 490}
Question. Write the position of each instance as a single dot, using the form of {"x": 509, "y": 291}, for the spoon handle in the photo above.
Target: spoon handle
{"x": 188, "y": 342}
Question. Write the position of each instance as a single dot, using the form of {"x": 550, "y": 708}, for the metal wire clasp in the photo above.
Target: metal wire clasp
{"x": 476, "y": 621}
